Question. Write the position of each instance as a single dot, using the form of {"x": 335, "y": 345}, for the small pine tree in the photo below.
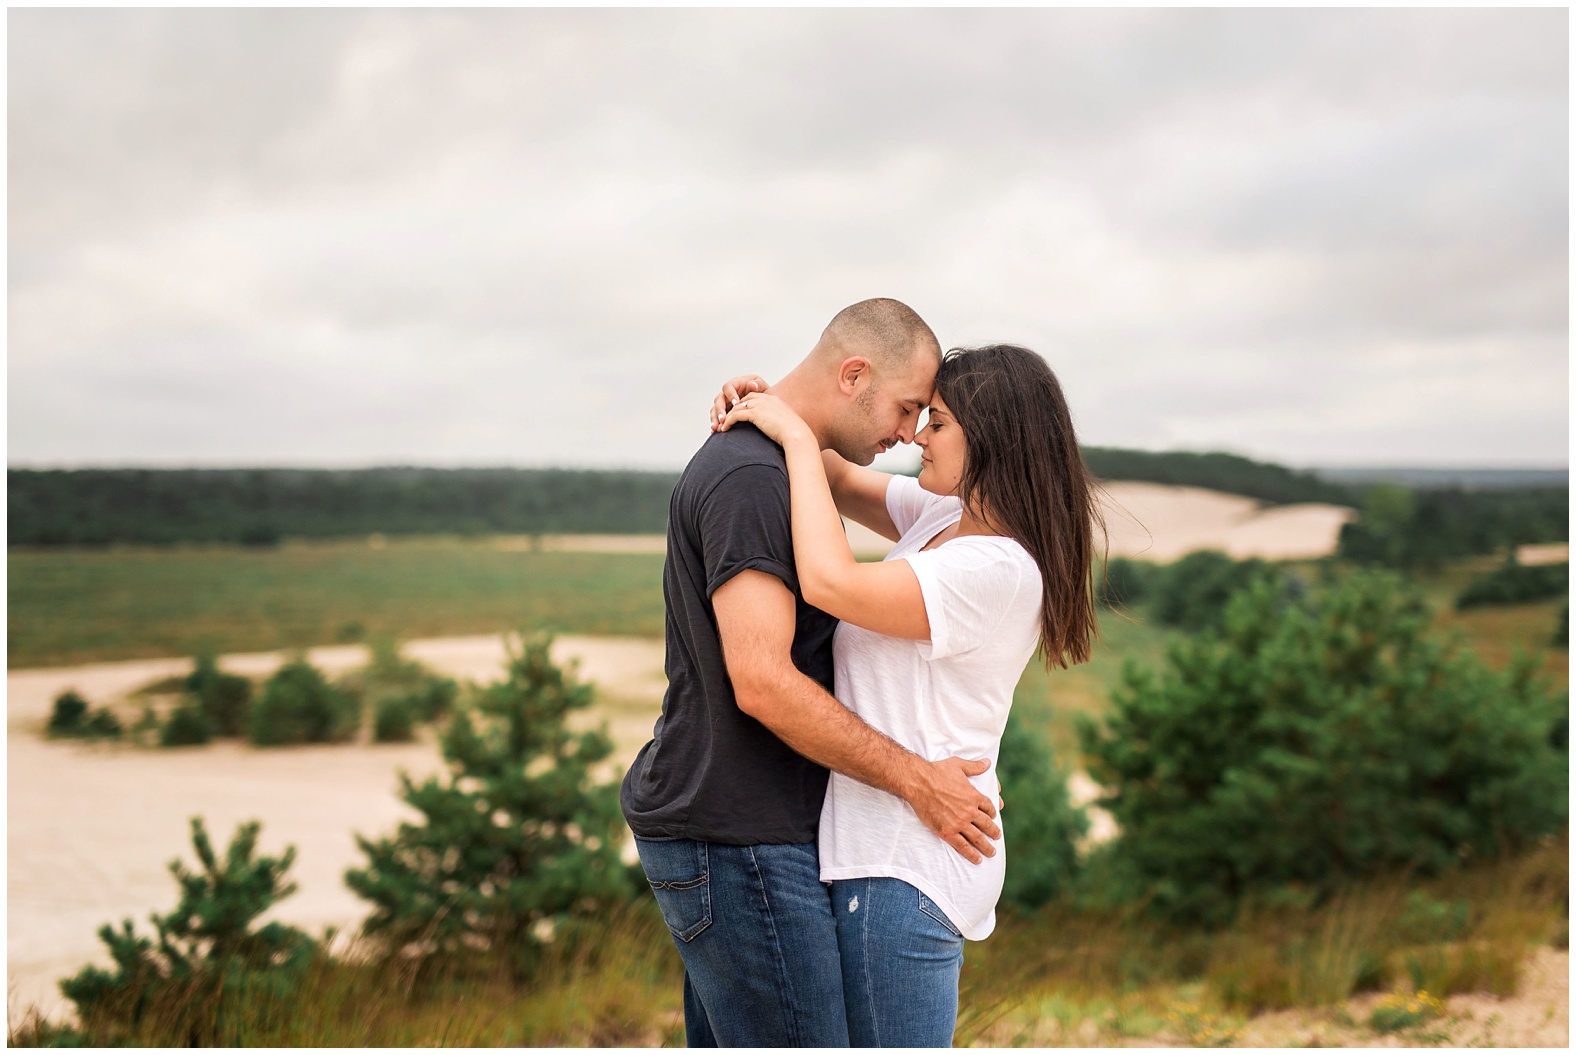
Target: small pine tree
{"x": 394, "y": 721}
{"x": 204, "y": 947}
{"x": 69, "y": 714}
{"x": 1316, "y": 743}
{"x": 187, "y": 726}
{"x": 224, "y": 698}
{"x": 1044, "y": 826}
{"x": 516, "y": 835}
{"x": 299, "y": 707}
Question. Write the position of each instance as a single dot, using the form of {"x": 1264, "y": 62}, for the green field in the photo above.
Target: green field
{"x": 72, "y": 606}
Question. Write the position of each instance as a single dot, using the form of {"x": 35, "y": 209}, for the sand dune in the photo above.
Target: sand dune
{"x": 91, "y": 827}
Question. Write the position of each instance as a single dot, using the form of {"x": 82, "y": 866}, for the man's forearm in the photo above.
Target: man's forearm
{"x": 811, "y": 721}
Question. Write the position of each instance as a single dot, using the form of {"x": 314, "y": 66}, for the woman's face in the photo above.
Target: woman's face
{"x": 941, "y": 449}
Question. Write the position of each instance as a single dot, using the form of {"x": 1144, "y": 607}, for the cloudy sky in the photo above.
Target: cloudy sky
{"x": 544, "y": 237}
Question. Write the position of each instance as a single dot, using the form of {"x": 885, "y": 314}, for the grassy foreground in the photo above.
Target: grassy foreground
{"x": 1058, "y": 977}
{"x": 73, "y": 606}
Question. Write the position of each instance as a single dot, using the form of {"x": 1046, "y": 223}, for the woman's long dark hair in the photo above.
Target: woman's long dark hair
{"x": 1024, "y": 475}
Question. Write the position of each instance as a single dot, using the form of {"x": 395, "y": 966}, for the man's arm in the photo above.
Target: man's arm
{"x": 755, "y": 620}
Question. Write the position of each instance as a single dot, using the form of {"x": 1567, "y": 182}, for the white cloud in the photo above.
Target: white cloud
{"x": 543, "y": 237}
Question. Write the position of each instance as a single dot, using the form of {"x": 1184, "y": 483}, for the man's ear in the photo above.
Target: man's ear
{"x": 849, "y": 374}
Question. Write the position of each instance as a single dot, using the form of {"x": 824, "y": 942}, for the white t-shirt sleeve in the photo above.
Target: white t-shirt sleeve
{"x": 969, "y": 586}
{"x": 906, "y": 502}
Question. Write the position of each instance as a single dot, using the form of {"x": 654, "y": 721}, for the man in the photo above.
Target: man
{"x": 725, "y": 799}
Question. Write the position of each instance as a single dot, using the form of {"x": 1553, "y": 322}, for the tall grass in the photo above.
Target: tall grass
{"x": 1057, "y": 977}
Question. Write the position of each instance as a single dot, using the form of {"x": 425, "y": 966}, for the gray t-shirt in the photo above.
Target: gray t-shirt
{"x": 710, "y": 771}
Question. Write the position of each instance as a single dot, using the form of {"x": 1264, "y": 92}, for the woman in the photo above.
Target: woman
{"x": 994, "y": 542}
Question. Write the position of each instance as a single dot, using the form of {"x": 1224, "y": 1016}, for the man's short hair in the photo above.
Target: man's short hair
{"x": 887, "y": 332}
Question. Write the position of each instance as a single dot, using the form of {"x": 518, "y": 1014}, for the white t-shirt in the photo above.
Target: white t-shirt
{"x": 945, "y": 697}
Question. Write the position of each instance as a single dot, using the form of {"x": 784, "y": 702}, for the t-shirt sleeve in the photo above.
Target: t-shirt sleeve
{"x": 969, "y": 586}
{"x": 906, "y": 502}
{"x": 745, "y": 524}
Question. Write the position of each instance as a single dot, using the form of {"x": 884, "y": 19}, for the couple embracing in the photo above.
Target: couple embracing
{"x": 817, "y": 908}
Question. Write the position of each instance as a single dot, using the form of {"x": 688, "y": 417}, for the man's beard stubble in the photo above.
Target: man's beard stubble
{"x": 855, "y": 440}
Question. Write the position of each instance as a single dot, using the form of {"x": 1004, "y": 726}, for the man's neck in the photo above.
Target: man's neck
{"x": 802, "y": 392}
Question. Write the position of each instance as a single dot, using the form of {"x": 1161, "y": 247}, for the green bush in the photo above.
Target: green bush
{"x": 390, "y": 676}
{"x": 1042, "y": 862}
{"x": 1562, "y": 629}
{"x": 205, "y": 952}
{"x": 298, "y": 706}
{"x": 187, "y": 725}
{"x": 103, "y": 725}
{"x": 435, "y": 699}
{"x": 1192, "y": 593}
{"x": 394, "y": 720}
{"x": 224, "y": 698}
{"x": 518, "y": 833}
{"x": 1314, "y": 743}
{"x": 1124, "y": 582}
{"x": 69, "y": 714}
{"x": 1516, "y": 584}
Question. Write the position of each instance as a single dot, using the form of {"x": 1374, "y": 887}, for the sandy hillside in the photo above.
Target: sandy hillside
{"x": 1153, "y": 522}
{"x": 1160, "y": 522}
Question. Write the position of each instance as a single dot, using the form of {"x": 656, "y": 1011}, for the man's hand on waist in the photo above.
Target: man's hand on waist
{"x": 952, "y": 807}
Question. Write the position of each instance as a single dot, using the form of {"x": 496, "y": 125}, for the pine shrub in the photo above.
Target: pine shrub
{"x": 224, "y": 698}
{"x": 298, "y": 706}
{"x": 1042, "y": 862}
{"x": 69, "y": 714}
{"x": 187, "y": 726}
{"x": 204, "y": 953}
{"x": 1124, "y": 582}
{"x": 1192, "y": 593}
{"x": 515, "y": 839}
{"x": 1516, "y": 584}
{"x": 394, "y": 720}
{"x": 1315, "y": 742}
{"x": 103, "y": 725}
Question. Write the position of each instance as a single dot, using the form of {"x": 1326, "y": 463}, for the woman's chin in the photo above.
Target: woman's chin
{"x": 927, "y": 480}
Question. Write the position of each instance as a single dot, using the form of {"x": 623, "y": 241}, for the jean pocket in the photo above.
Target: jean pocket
{"x": 681, "y": 880}
{"x": 931, "y": 909}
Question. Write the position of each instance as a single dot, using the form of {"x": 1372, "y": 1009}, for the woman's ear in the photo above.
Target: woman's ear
{"x": 848, "y": 374}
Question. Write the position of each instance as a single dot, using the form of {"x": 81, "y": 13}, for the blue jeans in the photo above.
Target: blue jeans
{"x": 901, "y": 960}
{"x": 754, "y": 927}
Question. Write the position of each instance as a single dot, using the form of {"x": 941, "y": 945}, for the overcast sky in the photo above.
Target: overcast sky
{"x": 492, "y": 237}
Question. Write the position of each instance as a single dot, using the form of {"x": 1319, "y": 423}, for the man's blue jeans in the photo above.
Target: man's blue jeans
{"x": 754, "y": 927}
{"x": 901, "y": 960}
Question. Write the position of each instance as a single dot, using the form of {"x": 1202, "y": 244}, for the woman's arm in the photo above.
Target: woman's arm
{"x": 884, "y": 596}
{"x": 859, "y": 493}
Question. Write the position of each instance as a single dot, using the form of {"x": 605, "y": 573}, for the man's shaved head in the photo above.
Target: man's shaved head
{"x": 887, "y": 332}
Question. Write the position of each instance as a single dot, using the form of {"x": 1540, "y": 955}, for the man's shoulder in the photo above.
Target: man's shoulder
{"x": 724, "y": 452}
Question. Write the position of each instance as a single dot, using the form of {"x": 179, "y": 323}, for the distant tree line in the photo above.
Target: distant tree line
{"x": 261, "y": 506}
{"x": 1399, "y": 527}
{"x": 1403, "y": 528}
{"x": 1216, "y": 471}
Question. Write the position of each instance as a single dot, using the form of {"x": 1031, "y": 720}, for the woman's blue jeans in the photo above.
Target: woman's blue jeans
{"x": 901, "y": 959}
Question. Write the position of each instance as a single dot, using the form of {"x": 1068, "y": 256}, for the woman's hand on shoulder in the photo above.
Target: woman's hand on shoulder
{"x": 772, "y": 416}
{"x": 733, "y": 390}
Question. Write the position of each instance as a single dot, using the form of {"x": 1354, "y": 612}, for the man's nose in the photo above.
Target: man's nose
{"x": 905, "y": 431}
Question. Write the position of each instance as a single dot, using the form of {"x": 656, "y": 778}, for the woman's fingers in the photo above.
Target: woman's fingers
{"x": 733, "y": 390}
